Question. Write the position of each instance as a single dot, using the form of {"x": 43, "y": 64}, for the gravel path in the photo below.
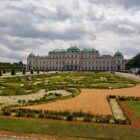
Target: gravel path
{"x": 128, "y": 75}
{"x": 90, "y": 100}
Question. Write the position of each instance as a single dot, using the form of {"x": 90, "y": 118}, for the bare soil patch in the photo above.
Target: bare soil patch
{"x": 90, "y": 100}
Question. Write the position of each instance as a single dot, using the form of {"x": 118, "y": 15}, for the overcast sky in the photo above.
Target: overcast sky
{"x": 44, "y": 25}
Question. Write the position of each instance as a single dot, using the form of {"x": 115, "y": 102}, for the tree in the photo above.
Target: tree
{"x": 20, "y": 63}
{"x": 134, "y": 62}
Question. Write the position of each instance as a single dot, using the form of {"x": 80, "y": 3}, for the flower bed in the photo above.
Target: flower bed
{"x": 117, "y": 111}
{"x": 119, "y": 114}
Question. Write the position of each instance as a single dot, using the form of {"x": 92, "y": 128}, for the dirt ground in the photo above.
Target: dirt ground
{"x": 90, "y": 100}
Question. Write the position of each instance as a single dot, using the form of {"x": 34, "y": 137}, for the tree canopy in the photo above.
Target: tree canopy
{"x": 134, "y": 62}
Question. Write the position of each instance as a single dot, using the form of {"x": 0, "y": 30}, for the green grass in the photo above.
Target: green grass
{"x": 12, "y": 85}
{"x": 70, "y": 129}
{"x": 135, "y": 106}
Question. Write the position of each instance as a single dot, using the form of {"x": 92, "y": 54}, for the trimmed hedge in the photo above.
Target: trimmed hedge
{"x": 59, "y": 115}
{"x": 124, "y": 98}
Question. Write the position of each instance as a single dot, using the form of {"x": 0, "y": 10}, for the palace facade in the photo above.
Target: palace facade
{"x": 74, "y": 59}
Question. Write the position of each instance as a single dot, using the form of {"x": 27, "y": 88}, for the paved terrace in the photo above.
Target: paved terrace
{"x": 129, "y": 75}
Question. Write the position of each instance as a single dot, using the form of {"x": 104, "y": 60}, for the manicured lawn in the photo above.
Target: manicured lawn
{"x": 20, "y": 85}
{"x": 69, "y": 129}
{"x": 135, "y": 106}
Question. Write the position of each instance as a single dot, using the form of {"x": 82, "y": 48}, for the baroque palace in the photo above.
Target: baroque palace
{"x": 74, "y": 59}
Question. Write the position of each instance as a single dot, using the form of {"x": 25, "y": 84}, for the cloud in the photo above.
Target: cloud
{"x": 125, "y": 29}
{"x": 40, "y": 26}
{"x": 128, "y": 4}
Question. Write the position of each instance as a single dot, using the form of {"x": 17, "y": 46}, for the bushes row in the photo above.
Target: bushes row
{"x": 59, "y": 115}
{"x": 124, "y": 98}
{"x": 129, "y": 98}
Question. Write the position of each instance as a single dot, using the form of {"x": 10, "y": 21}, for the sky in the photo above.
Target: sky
{"x": 40, "y": 26}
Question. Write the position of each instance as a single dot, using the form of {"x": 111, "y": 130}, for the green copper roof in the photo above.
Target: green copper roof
{"x": 31, "y": 55}
{"x": 89, "y": 50}
{"x": 118, "y": 54}
{"x": 73, "y": 49}
{"x": 58, "y": 50}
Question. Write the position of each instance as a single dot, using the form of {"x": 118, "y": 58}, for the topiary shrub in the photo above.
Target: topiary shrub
{"x": 0, "y": 73}
{"x": 23, "y": 72}
{"x": 4, "y": 71}
{"x": 32, "y": 72}
{"x": 13, "y": 72}
{"x": 37, "y": 71}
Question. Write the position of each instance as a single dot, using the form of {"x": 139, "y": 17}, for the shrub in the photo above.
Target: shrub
{"x": 104, "y": 119}
{"x": 112, "y": 96}
{"x": 120, "y": 121}
{"x": 20, "y": 113}
{"x": 70, "y": 118}
{"x": 38, "y": 71}
{"x": 137, "y": 99}
{"x": 124, "y": 98}
{"x": 7, "y": 113}
{"x": 41, "y": 115}
{"x": 87, "y": 119}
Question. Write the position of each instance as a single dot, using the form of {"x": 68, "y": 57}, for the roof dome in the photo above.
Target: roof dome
{"x": 31, "y": 55}
{"x": 73, "y": 49}
{"x": 118, "y": 54}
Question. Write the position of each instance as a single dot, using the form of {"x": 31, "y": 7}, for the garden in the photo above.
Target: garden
{"x": 24, "y": 96}
{"x": 23, "y": 85}
{"x": 93, "y": 97}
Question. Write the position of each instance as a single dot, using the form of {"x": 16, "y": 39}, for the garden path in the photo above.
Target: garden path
{"x": 90, "y": 100}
